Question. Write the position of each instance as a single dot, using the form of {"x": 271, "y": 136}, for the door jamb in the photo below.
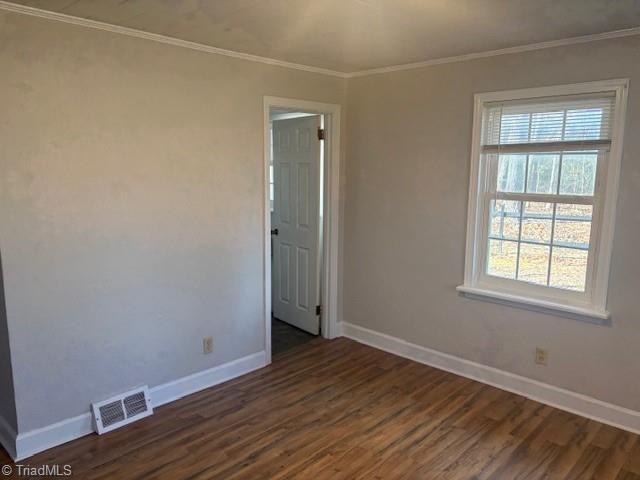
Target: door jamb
{"x": 331, "y": 219}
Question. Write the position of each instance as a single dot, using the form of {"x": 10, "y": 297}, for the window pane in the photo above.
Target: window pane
{"x": 543, "y": 173}
{"x": 271, "y": 173}
{"x": 502, "y": 258}
{"x": 573, "y": 225}
{"x": 505, "y": 219}
{"x": 514, "y": 128}
{"x": 583, "y": 124}
{"x": 568, "y": 269}
{"x": 547, "y": 126}
{"x": 534, "y": 263}
{"x": 578, "y": 173}
{"x": 511, "y": 171}
{"x": 536, "y": 222}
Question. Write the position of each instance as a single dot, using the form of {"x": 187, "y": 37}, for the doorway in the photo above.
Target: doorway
{"x": 301, "y": 216}
{"x": 295, "y": 197}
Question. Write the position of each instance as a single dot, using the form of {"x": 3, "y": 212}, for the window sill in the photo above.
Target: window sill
{"x": 579, "y": 313}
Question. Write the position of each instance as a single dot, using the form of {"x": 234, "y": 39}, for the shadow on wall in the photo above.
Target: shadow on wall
{"x": 8, "y": 413}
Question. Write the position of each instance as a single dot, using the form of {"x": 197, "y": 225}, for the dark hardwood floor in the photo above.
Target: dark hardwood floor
{"x": 341, "y": 410}
{"x": 284, "y": 336}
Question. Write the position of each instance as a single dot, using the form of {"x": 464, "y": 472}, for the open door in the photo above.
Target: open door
{"x": 296, "y": 222}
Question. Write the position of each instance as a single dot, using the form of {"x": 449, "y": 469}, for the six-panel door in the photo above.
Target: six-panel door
{"x": 296, "y": 216}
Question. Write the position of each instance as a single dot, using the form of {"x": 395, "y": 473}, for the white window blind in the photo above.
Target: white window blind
{"x": 570, "y": 123}
{"x": 543, "y": 164}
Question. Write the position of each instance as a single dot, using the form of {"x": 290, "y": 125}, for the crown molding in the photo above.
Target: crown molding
{"x": 132, "y": 32}
{"x": 502, "y": 51}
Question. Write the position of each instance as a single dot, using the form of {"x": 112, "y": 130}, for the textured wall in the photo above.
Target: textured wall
{"x": 409, "y": 143}
{"x": 131, "y": 209}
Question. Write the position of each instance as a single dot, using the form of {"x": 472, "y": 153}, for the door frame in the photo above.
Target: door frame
{"x": 331, "y": 217}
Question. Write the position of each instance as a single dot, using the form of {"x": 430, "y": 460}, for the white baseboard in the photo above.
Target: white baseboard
{"x": 169, "y": 392}
{"x": 8, "y": 437}
{"x": 36, "y": 441}
{"x": 567, "y": 400}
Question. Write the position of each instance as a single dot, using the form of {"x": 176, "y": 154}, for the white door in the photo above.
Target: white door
{"x": 295, "y": 222}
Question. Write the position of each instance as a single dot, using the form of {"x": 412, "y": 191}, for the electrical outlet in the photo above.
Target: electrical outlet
{"x": 542, "y": 356}
{"x": 207, "y": 345}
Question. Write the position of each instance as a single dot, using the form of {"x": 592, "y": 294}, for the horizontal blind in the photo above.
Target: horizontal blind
{"x": 568, "y": 123}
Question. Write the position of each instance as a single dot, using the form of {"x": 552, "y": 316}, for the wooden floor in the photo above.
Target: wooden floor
{"x": 340, "y": 410}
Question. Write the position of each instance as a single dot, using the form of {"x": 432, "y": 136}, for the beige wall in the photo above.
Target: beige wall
{"x": 407, "y": 188}
{"x": 131, "y": 209}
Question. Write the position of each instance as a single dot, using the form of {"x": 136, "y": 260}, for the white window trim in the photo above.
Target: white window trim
{"x": 592, "y": 306}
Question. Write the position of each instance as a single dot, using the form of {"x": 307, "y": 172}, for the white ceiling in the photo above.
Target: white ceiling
{"x": 355, "y": 35}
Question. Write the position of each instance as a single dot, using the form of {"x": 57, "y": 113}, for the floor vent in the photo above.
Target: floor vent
{"x": 121, "y": 410}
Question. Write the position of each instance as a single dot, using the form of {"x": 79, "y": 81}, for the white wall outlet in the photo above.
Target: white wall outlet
{"x": 207, "y": 345}
{"x": 542, "y": 356}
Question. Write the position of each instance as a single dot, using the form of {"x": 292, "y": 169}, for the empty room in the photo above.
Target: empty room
{"x": 332, "y": 239}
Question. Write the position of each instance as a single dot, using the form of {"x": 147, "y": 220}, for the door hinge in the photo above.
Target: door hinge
{"x": 318, "y": 309}
{"x": 320, "y": 133}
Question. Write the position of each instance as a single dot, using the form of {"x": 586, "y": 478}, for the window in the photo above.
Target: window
{"x": 545, "y": 166}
